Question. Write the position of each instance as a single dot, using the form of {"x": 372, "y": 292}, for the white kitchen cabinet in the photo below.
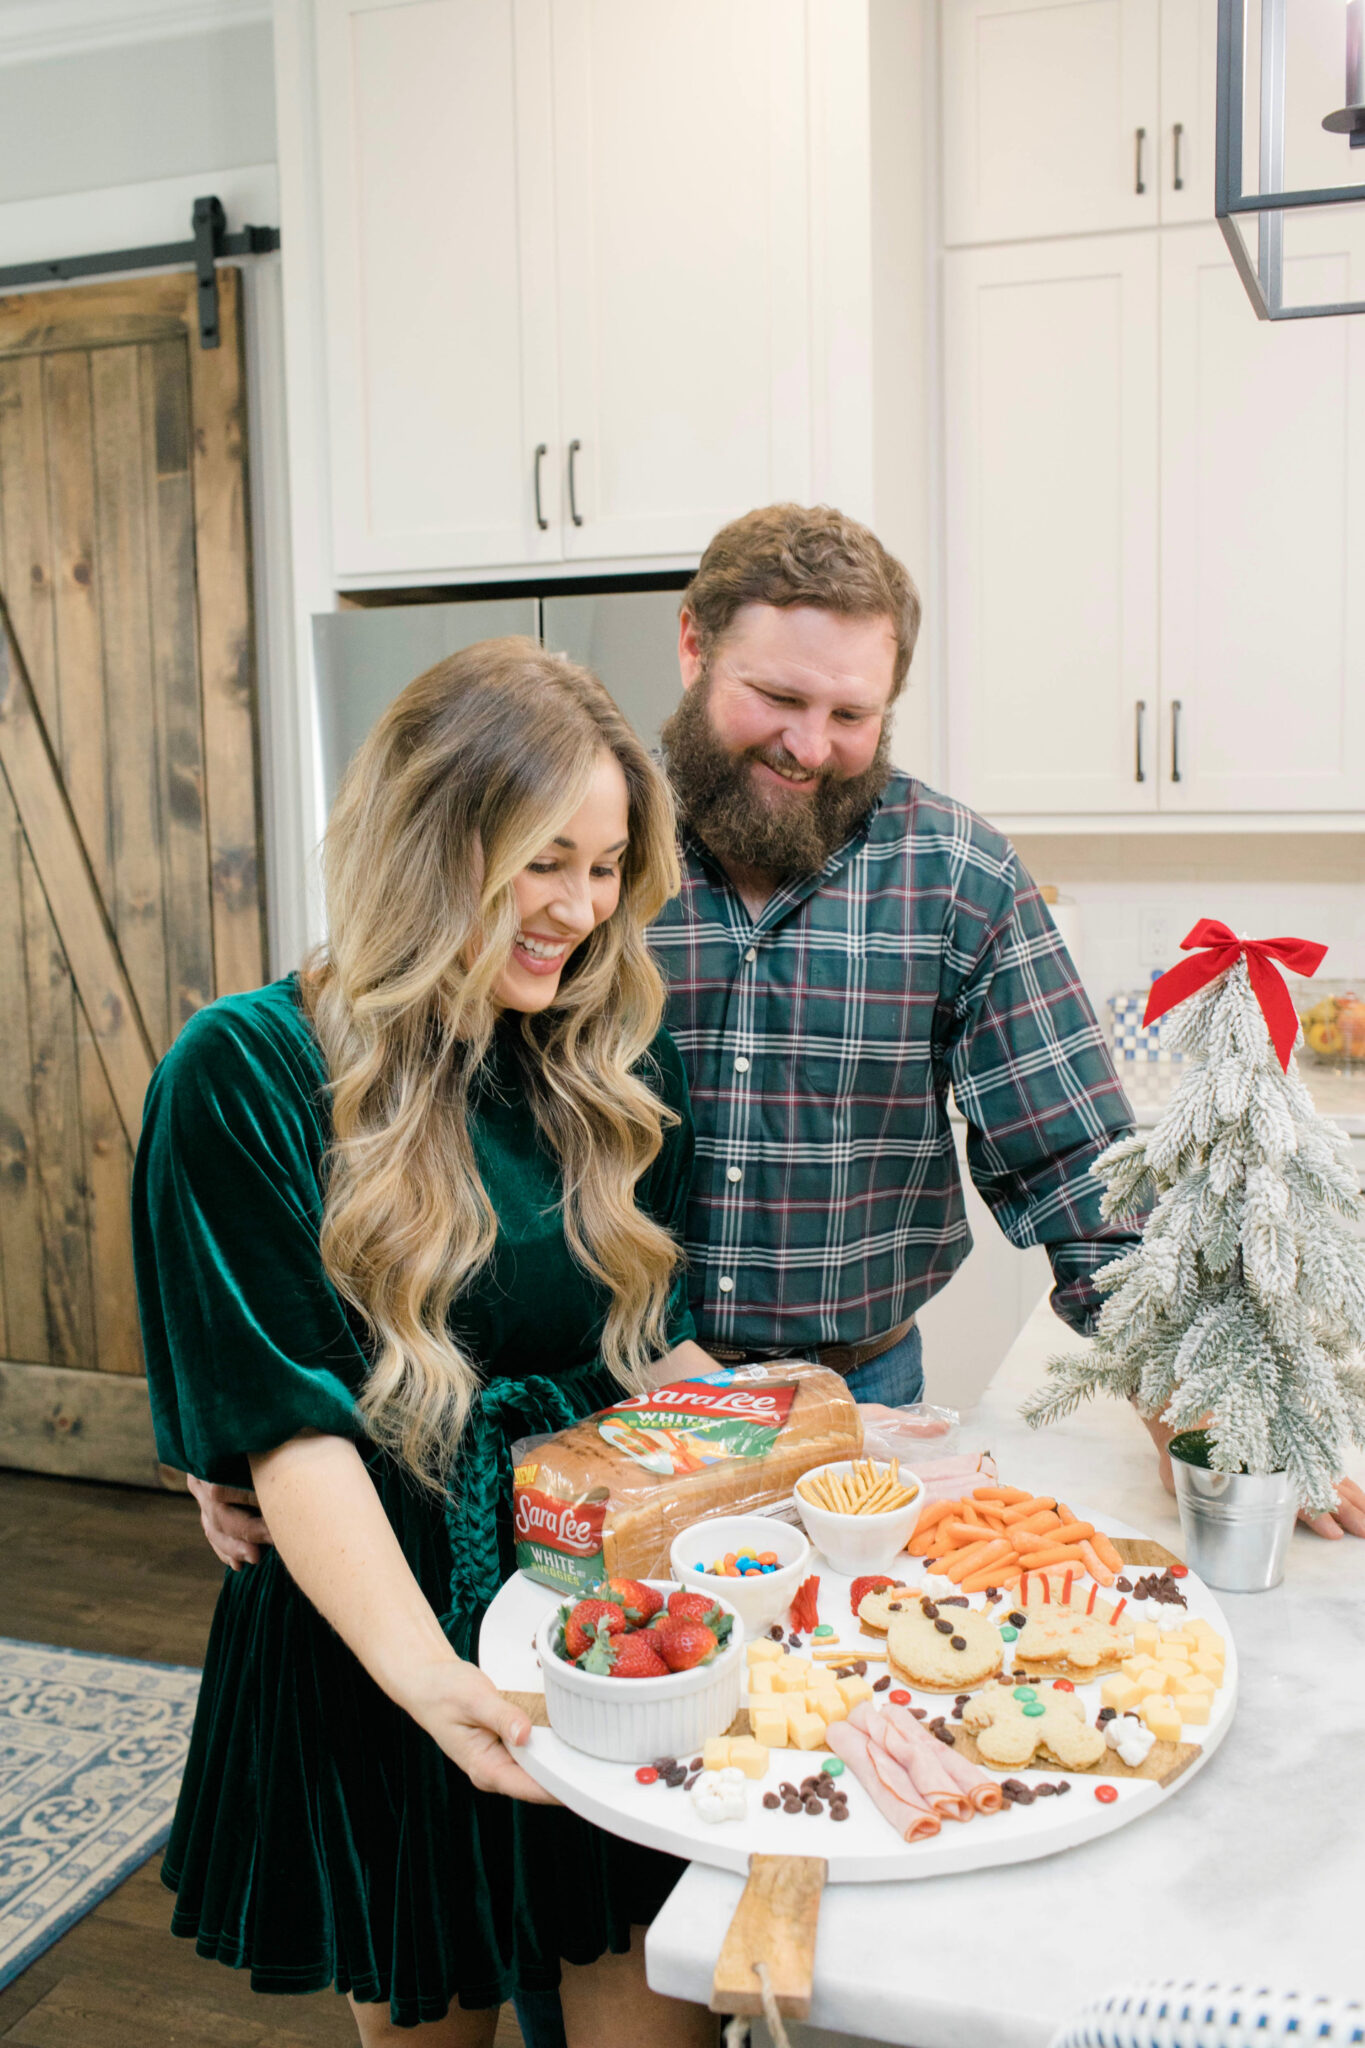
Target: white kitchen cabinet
{"x": 683, "y": 222}
{"x": 1065, "y": 117}
{"x": 1263, "y": 530}
{"x": 1050, "y": 354}
{"x": 578, "y": 227}
{"x": 434, "y": 125}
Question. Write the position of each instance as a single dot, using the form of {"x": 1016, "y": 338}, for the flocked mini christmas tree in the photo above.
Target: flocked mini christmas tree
{"x": 1243, "y": 1307}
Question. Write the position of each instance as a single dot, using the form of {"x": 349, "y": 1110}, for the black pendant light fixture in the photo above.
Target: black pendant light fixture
{"x": 1263, "y": 275}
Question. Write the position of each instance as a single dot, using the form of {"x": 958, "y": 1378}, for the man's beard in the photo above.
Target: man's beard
{"x": 781, "y": 836}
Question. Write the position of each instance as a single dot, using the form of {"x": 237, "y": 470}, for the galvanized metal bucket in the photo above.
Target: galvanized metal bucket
{"x": 1237, "y": 1525}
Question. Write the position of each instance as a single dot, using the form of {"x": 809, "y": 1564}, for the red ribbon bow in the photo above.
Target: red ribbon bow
{"x": 1221, "y": 949}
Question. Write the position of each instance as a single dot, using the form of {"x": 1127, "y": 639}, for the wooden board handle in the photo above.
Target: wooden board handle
{"x": 774, "y": 1924}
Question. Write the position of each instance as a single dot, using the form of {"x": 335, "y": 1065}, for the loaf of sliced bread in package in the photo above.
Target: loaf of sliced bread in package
{"x": 609, "y": 1495}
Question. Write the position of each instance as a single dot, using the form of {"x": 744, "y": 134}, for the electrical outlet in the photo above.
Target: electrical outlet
{"x": 1159, "y": 938}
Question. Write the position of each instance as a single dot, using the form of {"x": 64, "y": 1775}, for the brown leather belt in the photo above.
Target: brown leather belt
{"x": 840, "y": 1358}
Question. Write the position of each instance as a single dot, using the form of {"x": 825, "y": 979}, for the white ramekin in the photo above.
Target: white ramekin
{"x": 758, "y": 1601}
{"x": 857, "y": 1543}
{"x": 633, "y": 1720}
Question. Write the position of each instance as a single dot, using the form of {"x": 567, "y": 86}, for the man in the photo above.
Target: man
{"x": 847, "y": 947}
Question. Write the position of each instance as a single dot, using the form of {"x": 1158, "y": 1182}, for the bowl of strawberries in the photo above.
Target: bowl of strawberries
{"x": 641, "y": 1668}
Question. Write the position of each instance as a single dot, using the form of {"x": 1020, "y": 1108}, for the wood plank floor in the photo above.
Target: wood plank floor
{"x": 107, "y": 1568}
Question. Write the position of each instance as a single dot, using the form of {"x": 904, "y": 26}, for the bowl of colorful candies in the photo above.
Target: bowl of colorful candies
{"x": 754, "y": 1562}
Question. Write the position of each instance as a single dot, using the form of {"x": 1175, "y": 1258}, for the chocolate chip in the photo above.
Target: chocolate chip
{"x": 688, "y": 1783}
{"x": 920, "y": 1713}
{"x": 961, "y": 1698}
{"x": 838, "y": 1813}
{"x": 794, "y": 1642}
{"x": 808, "y": 1785}
{"x": 664, "y": 1764}
{"x": 1016, "y": 1619}
{"x": 957, "y": 1600}
{"x": 880, "y": 1684}
{"x": 791, "y": 1806}
{"x": 695, "y": 1764}
{"x": 928, "y": 1610}
{"x": 788, "y": 1791}
{"x": 677, "y": 1775}
{"x": 838, "y": 1802}
{"x": 1124, "y": 1585}
{"x": 957, "y": 1642}
{"x": 1044, "y": 1791}
{"x": 957, "y": 1712}
{"x": 1062, "y": 1785}
{"x": 771, "y": 1801}
{"x": 894, "y": 1608}
{"x": 992, "y": 1593}
{"x": 776, "y": 1631}
{"x": 844, "y": 1671}
{"x": 937, "y": 1721}
{"x": 1107, "y": 1713}
{"x": 947, "y": 1737}
{"x": 860, "y": 1667}
{"x": 814, "y": 1806}
{"x": 1023, "y": 1795}
{"x": 945, "y": 1628}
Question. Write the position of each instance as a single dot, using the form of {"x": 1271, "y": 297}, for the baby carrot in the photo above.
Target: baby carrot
{"x": 1061, "y": 1553}
{"x": 1074, "y": 1532}
{"x": 932, "y": 1515}
{"x": 1034, "y": 1505}
{"x": 1106, "y": 1551}
{"x": 1043, "y": 1521}
{"x": 1001, "y": 1575}
{"x": 964, "y": 1562}
{"x": 1008, "y": 1495}
{"x": 1095, "y": 1565}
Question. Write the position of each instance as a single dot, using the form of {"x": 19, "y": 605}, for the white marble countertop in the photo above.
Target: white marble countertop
{"x": 1256, "y": 1872}
{"x": 1337, "y": 1093}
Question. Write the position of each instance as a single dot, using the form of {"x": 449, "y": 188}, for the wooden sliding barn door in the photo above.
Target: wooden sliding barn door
{"x": 130, "y": 890}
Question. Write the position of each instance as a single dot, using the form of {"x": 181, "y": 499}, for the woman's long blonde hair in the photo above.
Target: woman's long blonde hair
{"x": 465, "y": 778}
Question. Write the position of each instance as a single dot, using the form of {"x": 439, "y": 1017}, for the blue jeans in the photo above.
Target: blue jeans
{"x": 896, "y": 1378}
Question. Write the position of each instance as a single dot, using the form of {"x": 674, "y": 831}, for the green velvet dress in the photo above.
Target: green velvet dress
{"x": 321, "y": 1837}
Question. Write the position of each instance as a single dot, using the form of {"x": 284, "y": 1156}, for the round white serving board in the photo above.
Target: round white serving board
{"x": 864, "y": 1849}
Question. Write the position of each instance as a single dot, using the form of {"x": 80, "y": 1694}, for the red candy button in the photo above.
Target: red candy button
{"x": 647, "y": 1775}
{"x": 899, "y": 1699}
{"x": 1180, "y": 1571}
{"x": 1062, "y": 1685}
{"x": 1107, "y": 1793}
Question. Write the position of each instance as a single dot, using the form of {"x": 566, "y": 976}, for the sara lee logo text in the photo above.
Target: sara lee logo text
{"x": 565, "y": 1525}
{"x": 694, "y": 1397}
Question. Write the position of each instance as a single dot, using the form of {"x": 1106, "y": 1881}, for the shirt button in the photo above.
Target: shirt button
{"x": 726, "y": 1284}
{"x": 733, "y": 1173}
{"x": 751, "y": 955}
{"x": 741, "y": 1065}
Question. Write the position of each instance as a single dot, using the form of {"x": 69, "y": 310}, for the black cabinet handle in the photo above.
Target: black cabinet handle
{"x": 1139, "y": 182}
{"x": 1140, "y": 726}
{"x": 541, "y": 452}
{"x": 574, "y": 513}
{"x": 1175, "y": 739}
{"x": 1177, "y": 139}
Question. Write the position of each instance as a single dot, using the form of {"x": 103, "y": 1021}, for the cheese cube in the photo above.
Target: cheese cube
{"x": 1134, "y": 1666}
{"x": 852, "y": 1691}
{"x": 748, "y": 1755}
{"x": 1168, "y": 1652}
{"x": 791, "y": 1674}
{"x": 769, "y": 1724}
{"x": 1192, "y": 1707}
{"x": 1181, "y": 1635}
{"x": 808, "y": 1731}
{"x": 833, "y": 1707}
{"x": 1150, "y": 1685}
{"x": 760, "y": 1678}
{"x": 1205, "y": 1634}
{"x": 1174, "y": 1676}
{"x": 1197, "y": 1683}
{"x": 1208, "y": 1666}
{"x": 1146, "y": 1635}
{"x": 715, "y": 1754}
{"x": 1120, "y": 1693}
{"x": 1159, "y": 1712}
{"x": 817, "y": 1695}
{"x": 796, "y": 1709}
{"x": 763, "y": 1650}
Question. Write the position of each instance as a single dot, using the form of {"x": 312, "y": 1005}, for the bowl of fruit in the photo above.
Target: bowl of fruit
{"x": 1333, "y": 1020}
{"x": 641, "y": 1668}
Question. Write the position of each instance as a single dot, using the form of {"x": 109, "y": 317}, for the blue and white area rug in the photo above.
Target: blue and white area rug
{"x": 91, "y": 1754}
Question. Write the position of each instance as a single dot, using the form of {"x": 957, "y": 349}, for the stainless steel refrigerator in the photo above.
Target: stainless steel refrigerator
{"x": 363, "y": 658}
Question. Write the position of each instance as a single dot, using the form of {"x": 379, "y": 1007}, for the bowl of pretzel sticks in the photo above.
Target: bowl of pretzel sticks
{"x": 858, "y": 1512}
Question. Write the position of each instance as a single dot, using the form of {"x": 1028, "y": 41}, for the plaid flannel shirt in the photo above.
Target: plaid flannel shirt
{"x": 820, "y": 1042}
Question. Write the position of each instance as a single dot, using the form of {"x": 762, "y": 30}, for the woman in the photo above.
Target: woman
{"x": 391, "y": 1215}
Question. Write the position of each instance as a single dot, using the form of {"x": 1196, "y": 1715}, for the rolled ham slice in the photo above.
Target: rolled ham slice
{"x": 876, "y": 1772}
{"x": 980, "y": 1787}
{"x": 925, "y": 1769}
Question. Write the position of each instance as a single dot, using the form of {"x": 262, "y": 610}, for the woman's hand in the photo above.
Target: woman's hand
{"x": 1349, "y": 1519}
{"x": 464, "y": 1713}
{"x": 232, "y": 1522}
